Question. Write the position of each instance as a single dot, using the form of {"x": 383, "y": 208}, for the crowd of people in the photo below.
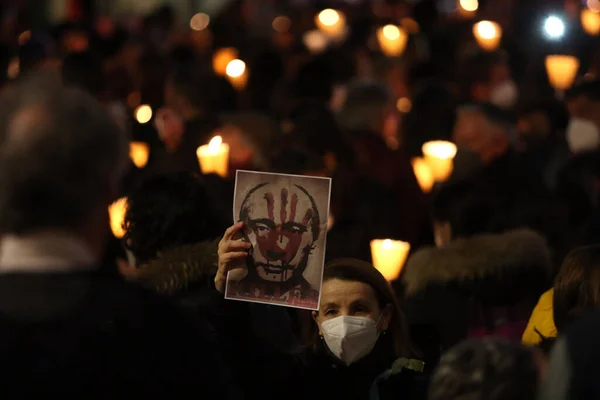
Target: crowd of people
{"x": 496, "y": 300}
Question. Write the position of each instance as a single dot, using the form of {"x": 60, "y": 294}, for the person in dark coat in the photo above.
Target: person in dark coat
{"x": 67, "y": 329}
{"x": 481, "y": 278}
{"x": 356, "y": 348}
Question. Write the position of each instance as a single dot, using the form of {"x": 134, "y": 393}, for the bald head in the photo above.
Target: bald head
{"x": 60, "y": 154}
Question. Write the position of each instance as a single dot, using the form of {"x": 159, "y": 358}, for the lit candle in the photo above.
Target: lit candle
{"x": 116, "y": 212}
{"x": 423, "y": 173}
{"x": 332, "y": 23}
{"x": 139, "y": 152}
{"x": 488, "y": 35}
{"x": 439, "y": 155}
{"x": 392, "y": 40}
{"x": 468, "y": 8}
{"x": 222, "y": 58}
{"x": 590, "y": 21}
{"x": 214, "y": 157}
{"x": 237, "y": 74}
{"x": 562, "y": 71}
{"x": 315, "y": 41}
{"x": 143, "y": 113}
{"x": 389, "y": 257}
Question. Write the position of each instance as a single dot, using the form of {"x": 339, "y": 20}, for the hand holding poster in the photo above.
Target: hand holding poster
{"x": 285, "y": 221}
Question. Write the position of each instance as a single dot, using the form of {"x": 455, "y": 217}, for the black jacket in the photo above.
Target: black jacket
{"x": 89, "y": 335}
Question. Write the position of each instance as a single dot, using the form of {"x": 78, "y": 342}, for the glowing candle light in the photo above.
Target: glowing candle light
{"x": 139, "y": 153}
{"x": 423, "y": 173}
{"x": 222, "y": 58}
{"x": 562, "y": 71}
{"x": 389, "y": 257}
{"x": 237, "y": 74}
{"x": 332, "y": 23}
{"x": 200, "y": 21}
{"x": 117, "y": 212}
{"x": 143, "y": 113}
{"x": 439, "y": 155}
{"x": 488, "y": 35}
{"x": 590, "y": 21}
{"x": 392, "y": 40}
{"x": 214, "y": 157}
{"x": 315, "y": 41}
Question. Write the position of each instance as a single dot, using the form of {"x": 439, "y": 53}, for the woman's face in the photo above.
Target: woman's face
{"x": 352, "y": 298}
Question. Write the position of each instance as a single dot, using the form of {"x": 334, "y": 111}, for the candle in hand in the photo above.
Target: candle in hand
{"x": 117, "y": 212}
{"x": 439, "y": 155}
{"x": 389, "y": 257}
{"x": 423, "y": 173}
{"x": 139, "y": 152}
{"x": 332, "y": 23}
{"x": 392, "y": 40}
{"x": 214, "y": 157}
{"x": 237, "y": 74}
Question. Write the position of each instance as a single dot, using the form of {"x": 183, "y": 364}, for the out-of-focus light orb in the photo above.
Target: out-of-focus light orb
{"x": 281, "y": 24}
{"x": 469, "y": 5}
{"x": 554, "y": 27}
{"x": 143, "y": 114}
{"x": 594, "y": 5}
{"x": 315, "y": 41}
{"x": 403, "y": 105}
{"x": 235, "y": 68}
{"x": 24, "y": 38}
{"x": 329, "y": 17}
{"x": 486, "y": 29}
{"x": 14, "y": 68}
{"x": 410, "y": 25}
{"x": 200, "y": 21}
{"x": 391, "y": 32}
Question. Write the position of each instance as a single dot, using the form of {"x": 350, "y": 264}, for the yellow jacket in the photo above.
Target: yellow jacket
{"x": 542, "y": 320}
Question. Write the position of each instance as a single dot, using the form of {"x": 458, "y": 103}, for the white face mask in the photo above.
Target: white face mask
{"x": 350, "y": 338}
{"x": 582, "y": 135}
{"x": 505, "y": 95}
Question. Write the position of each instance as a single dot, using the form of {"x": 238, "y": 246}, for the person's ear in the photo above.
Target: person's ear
{"x": 386, "y": 317}
{"x": 315, "y": 317}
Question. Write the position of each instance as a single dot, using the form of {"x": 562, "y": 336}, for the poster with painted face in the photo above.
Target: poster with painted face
{"x": 285, "y": 221}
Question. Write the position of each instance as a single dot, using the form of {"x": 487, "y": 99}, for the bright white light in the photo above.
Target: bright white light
{"x": 554, "y": 27}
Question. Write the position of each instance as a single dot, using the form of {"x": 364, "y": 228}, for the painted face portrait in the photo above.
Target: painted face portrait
{"x": 282, "y": 224}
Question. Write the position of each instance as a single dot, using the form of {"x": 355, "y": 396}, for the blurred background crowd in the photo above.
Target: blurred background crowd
{"x": 463, "y": 142}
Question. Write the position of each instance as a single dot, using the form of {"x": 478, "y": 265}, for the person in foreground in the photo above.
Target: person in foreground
{"x": 359, "y": 347}
{"x": 67, "y": 329}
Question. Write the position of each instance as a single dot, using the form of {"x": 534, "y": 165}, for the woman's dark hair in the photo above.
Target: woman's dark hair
{"x": 167, "y": 211}
{"x": 467, "y": 207}
{"x": 349, "y": 269}
{"x": 577, "y": 286}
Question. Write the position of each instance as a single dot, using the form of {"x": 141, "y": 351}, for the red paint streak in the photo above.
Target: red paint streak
{"x": 284, "y": 202}
{"x": 270, "y": 205}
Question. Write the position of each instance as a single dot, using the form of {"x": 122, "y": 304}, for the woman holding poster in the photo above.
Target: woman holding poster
{"x": 359, "y": 345}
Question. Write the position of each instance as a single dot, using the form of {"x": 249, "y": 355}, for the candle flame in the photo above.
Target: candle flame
{"x": 215, "y": 144}
{"x": 486, "y": 29}
{"x": 117, "y": 212}
{"x": 439, "y": 149}
{"x": 387, "y": 244}
{"x": 329, "y": 17}
{"x": 469, "y": 5}
{"x": 235, "y": 68}
{"x": 391, "y": 32}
